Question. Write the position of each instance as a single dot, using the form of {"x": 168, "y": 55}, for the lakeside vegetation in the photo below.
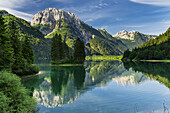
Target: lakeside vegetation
{"x": 155, "y": 49}
{"x": 103, "y": 58}
{"x": 60, "y": 53}
{"x": 40, "y": 45}
{"x": 16, "y": 58}
{"x": 14, "y": 98}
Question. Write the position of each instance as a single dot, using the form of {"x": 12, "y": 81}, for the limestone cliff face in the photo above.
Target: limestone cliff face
{"x": 51, "y": 20}
{"x": 50, "y": 16}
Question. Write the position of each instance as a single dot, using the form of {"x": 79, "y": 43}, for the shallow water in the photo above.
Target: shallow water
{"x": 102, "y": 87}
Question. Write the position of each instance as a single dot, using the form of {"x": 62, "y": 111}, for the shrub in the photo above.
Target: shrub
{"x": 13, "y": 96}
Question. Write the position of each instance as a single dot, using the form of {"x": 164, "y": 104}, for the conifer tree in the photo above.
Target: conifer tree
{"x": 16, "y": 45}
{"x": 57, "y": 53}
{"x": 27, "y": 51}
{"x": 66, "y": 50}
{"x": 79, "y": 52}
{"x": 6, "y": 51}
{"x": 54, "y": 48}
{"x": 60, "y": 47}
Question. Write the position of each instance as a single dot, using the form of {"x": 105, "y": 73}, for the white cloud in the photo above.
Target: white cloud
{"x": 153, "y": 2}
{"x": 12, "y": 3}
{"x": 19, "y": 14}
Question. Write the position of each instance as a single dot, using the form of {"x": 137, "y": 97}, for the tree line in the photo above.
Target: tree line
{"x": 15, "y": 57}
{"x": 155, "y": 49}
{"x": 18, "y": 59}
{"x": 61, "y": 54}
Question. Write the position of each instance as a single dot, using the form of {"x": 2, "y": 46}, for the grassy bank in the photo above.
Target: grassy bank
{"x": 103, "y": 58}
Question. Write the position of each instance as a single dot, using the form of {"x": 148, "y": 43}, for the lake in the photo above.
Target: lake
{"x": 102, "y": 87}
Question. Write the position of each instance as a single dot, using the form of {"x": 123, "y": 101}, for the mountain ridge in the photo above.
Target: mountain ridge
{"x": 97, "y": 41}
{"x": 51, "y": 21}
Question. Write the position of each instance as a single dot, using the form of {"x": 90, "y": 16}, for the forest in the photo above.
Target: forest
{"x": 154, "y": 49}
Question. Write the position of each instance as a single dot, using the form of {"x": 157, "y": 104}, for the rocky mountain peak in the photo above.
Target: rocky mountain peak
{"x": 50, "y": 16}
{"x": 126, "y": 35}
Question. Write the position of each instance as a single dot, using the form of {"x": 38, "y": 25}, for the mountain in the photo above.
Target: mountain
{"x": 51, "y": 21}
{"x": 97, "y": 41}
{"x": 132, "y": 35}
{"x": 39, "y": 43}
{"x": 155, "y": 49}
{"x": 133, "y": 39}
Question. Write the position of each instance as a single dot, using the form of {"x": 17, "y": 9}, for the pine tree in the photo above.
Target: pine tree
{"x": 66, "y": 50}
{"x": 60, "y": 47}
{"x": 79, "y": 52}
{"x": 27, "y": 51}
{"x": 18, "y": 64}
{"x": 6, "y": 51}
{"x": 54, "y": 48}
{"x": 57, "y": 53}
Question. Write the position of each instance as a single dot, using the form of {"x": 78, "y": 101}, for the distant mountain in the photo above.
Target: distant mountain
{"x": 97, "y": 41}
{"x": 132, "y": 35}
{"x": 36, "y": 37}
{"x": 133, "y": 39}
{"x": 155, "y": 49}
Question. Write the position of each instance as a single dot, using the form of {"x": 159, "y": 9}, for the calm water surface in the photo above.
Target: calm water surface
{"x": 102, "y": 87}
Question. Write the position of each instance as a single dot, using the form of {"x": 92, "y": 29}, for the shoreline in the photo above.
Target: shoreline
{"x": 155, "y": 60}
{"x": 66, "y": 64}
{"x": 28, "y": 76}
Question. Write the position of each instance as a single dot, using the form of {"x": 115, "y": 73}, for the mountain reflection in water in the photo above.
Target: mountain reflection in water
{"x": 64, "y": 84}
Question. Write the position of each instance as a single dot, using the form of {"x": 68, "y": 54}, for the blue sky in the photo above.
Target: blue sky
{"x": 146, "y": 16}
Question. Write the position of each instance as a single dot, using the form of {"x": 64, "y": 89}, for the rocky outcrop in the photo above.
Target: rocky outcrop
{"x": 131, "y": 35}
{"x": 49, "y": 20}
{"x": 50, "y": 17}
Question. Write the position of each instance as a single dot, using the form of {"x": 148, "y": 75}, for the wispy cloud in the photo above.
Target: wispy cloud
{"x": 20, "y": 14}
{"x": 153, "y": 2}
{"x": 12, "y": 3}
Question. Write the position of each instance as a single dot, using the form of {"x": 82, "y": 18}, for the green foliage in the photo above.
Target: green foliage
{"x": 41, "y": 46}
{"x": 20, "y": 66}
{"x": 27, "y": 69}
{"x": 42, "y": 27}
{"x": 102, "y": 46}
{"x": 27, "y": 51}
{"x": 57, "y": 48}
{"x": 6, "y": 49}
{"x": 156, "y": 49}
{"x": 16, "y": 45}
{"x": 79, "y": 52}
{"x": 14, "y": 98}
{"x": 66, "y": 30}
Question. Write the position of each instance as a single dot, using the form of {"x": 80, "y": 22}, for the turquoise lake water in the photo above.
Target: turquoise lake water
{"x": 102, "y": 87}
